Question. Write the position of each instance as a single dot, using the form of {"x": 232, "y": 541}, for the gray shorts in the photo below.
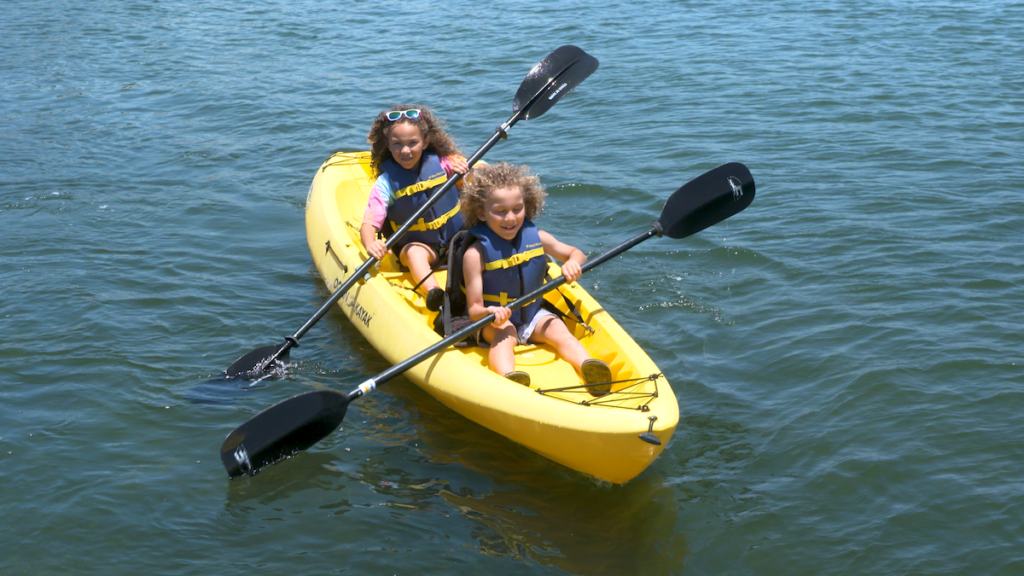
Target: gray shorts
{"x": 524, "y": 336}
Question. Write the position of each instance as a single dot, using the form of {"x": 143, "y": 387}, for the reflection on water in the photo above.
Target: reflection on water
{"x": 579, "y": 529}
{"x": 282, "y": 481}
{"x": 221, "y": 390}
{"x": 539, "y": 511}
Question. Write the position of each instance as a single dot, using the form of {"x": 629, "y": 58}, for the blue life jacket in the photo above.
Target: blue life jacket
{"x": 512, "y": 269}
{"x": 440, "y": 222}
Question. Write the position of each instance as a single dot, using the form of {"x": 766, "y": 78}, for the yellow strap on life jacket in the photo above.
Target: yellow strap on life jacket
{"x": 515, "y": 259}
{"x": 502, "y": 299}
{"x": 423, "y": 185}
{"x": 421, "y": 226}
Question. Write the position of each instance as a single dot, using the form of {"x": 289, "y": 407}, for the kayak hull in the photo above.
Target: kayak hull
{"x": 555, "y": 416}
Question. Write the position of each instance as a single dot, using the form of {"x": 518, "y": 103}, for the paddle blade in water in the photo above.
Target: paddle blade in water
{"x": 554, "y": 77}
{"x": 222, "y": 390}
{"x": 246, "y": 366}
{"x": 707, "y": 200}
{"x": 283, "y": 429}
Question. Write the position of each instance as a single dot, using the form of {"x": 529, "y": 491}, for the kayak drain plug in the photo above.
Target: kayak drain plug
{"x": 649, "y": 436}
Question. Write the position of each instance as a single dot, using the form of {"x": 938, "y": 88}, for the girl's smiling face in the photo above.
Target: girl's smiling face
{"x": 406, "y": 143}
{"x": 504, "y": 211}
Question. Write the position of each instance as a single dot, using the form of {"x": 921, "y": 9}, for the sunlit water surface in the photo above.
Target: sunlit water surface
{"x": 847, "y": 353}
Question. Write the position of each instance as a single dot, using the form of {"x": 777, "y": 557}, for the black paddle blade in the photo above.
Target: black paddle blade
{"x": 707, "y": 199}
{"x": 554, "y": 77}
{"x": 283, "y": 429}
{"x": 247, "y": 366}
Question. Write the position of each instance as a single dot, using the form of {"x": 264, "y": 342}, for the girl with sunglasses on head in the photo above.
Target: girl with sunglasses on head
{"x": 411, "y": 155}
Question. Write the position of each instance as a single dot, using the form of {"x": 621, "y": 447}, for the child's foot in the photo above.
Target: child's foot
{"x": 434, "y": 299}
{"x": 598, "y": 377}
{"x": 519, "y": 377}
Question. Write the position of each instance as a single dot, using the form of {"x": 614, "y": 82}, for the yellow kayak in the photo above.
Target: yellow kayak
{"x": 612, "y": 437}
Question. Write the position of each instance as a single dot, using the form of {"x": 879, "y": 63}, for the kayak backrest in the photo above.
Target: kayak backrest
{"x": 454, "y": 311}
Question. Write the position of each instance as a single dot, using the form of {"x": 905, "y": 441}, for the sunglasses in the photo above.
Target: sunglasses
{"x": 412, "y": 114}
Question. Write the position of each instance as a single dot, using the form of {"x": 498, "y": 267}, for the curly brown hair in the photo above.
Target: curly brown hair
{"x": 474, "y": 194}
{"x": 438, "y": 141}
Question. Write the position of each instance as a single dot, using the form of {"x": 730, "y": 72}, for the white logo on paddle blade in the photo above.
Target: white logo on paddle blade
{"x": 737, "y": 187}
{"x": 556, "y": 92}
{"x": 242, "y": 457}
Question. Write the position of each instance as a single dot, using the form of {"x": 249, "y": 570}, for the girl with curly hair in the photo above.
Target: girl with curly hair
{"x": 506, "y": 260}
{"x": 411, "y": 156}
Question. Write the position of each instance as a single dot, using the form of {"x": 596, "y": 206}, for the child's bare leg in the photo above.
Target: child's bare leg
{"x": 418, "y": 258}
{"x": 551, "y": 330}
{"x": 502, "y": 354}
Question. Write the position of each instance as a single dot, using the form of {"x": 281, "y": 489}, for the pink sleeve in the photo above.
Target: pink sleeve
{"x": 377, "y": 207}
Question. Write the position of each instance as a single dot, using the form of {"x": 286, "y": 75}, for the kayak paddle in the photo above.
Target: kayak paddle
{"x": 551, "y": 79}
{"x": 298, "y": 422}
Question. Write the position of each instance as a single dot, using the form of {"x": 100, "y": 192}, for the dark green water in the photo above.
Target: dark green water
{"x": 847, "y": 353}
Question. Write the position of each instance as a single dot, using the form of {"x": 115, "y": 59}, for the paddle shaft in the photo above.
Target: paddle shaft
{"x": 499, "y": 134}
{"x": 654, "y": 230}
